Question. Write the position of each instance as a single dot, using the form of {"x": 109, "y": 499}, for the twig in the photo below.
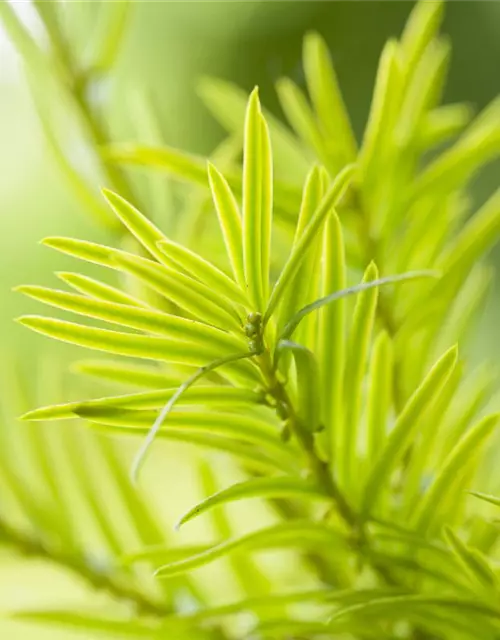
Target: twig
{"x": 324, "y": 477}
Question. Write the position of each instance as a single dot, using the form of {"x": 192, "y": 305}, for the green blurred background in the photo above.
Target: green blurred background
{"x": 167, "y": 48}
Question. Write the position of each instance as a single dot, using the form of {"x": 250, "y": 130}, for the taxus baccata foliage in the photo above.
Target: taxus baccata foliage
{"x": 310, "y": 335}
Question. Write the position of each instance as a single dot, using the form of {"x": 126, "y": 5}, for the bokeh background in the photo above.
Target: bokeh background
{"x": 168, "y": 47}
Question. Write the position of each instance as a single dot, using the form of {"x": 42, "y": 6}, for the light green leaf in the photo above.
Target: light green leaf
{"x": 291, "y": 534}
{"x": 472, "y": 560}
{"x": 379, "y": 395}
{"x": 479, "y": 144}
{"x": 252, "y": 202}
{"x": 126, "y": 373}
{"x": 424, "y": 241}
{"x": 423, "y": 90}
{"x": 464, "y": 310}
{"x": 203, "y": 271}
{"x": 387, "y": 531}
{"x": 125, "y": 344}
{"x": 313, "y": 228}
{"x": 355, "y": 371}
{"x": 405, "y": 428}
{"x": 189, "y": 294}
{"x": 100, "y": 290}
{"x": 148, "y": 320}
{"x": 409, "y": 564}
{"x": 251, "y": 428}
{"x": 422, "y": 26}
{"x": 181, "y": 165}
{"x": 193, "y": 169}
{"x": 328, "y": 102}
{"x": 467, "y": 404}
{"x": 218, "y": 396}
{"x": 444, "y": 483}
{"x": 88, "y": 251}
{"x": 301, "y": 117}
{"x": 138, "y": 225}
{"x": 442, "y": 123}
{"x": 299, "y": 291}
{"x": 229, "y": 221}
{"x": 476, "y": 237}
{"x": 308, "y": 390}
{"x": 382, "y": 116}
{"x": 267, "y": 204}
{"x": 223, "y": 396}
{"x": 256, "y": 488}
{"x": 331, "y": 334}
{"x": 228, "y": 104}
{"x": 252, "y": 458}
{"x": 420, "y": 460}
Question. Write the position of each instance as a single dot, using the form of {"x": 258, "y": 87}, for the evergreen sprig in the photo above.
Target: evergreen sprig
{"x": 358, "y": 424}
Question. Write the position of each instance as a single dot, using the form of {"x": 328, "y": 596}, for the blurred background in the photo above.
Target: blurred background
{"x": 167, "y": 47}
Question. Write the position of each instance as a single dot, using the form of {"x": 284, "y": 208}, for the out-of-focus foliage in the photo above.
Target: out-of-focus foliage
{"x": 346, "y": 408}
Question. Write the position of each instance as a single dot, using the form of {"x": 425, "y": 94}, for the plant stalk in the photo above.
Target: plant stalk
{"x": 322, "y": 473}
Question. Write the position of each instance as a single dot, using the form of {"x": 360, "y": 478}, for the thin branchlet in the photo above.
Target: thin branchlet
{"x": 319, "y": 469}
